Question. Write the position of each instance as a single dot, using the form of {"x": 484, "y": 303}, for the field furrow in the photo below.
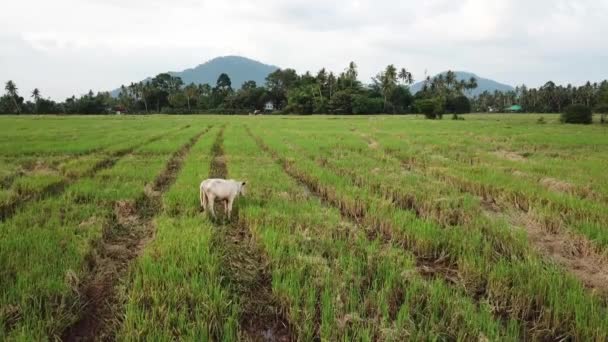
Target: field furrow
{"x": 349, "y": 228}
{"x": 447, "y": 247}
{"x": 576, "y": 253}
{"x": 47, "y": 249}
{"x": 55, "y": 185}
{"x": 245, "y": 267}
{"x": 553, "y": 203}
{"x": 124, "y": 237}
{"x": 176, "y": 289}
{"x": 433, "y": 277}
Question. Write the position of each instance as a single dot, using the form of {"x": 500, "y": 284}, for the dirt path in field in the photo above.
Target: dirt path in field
{"x": 123, "y": 239}
{"x": 575, "y": 253}
{"x": 9, "y": 209}
{"x": 246, "y": 268}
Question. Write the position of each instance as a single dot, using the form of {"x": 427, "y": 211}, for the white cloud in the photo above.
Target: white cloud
{"x": 66, "y": 47}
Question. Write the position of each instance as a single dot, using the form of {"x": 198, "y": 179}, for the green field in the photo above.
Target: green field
{"x": 369, "y": 228}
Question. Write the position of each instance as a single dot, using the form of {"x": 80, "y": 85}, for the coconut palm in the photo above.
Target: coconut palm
{"x": 450, "y": 78}
{"x": 11, "y": 90}
{"x": 36, "y": 94}
{"x": 36, "y": 97}
{"x": 388, "y": 82}
{"x": 331, "y": 81}
{"x": 470, "y": 85}
{"x": 191, "y": 91}
{"x": 351, "y": 73}
{"x": 406, "y": 76}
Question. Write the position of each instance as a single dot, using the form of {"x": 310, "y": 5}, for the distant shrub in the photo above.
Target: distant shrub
{"x": 577, "y": 114}
{"x": 602, "y": 109}
{"x": 458, "y": 105}
{"x": 457, "y": 117}
{"x": 431, "y": 108}
{"x": 541, "y": 120}
{"x": 341, "y": 102}
{"x": 367, "y": 105}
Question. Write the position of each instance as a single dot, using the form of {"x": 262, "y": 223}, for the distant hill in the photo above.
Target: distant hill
{"x": 239, "y": 69}
{"x": 483, "y": 84}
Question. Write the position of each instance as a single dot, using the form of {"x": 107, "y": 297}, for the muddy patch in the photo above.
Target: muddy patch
{"x": 509, "y": 155}
{"x": 125, "y": 212}
{"x": 557, "y": 185}
{"x": 576, "y": 254}
{"x": 518, "y": 173}
{"x": 373, "y": 144}
{"x": 263, "y": 317}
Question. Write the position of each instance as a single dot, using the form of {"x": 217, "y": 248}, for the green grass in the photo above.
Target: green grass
{"x": 353, "y": 228}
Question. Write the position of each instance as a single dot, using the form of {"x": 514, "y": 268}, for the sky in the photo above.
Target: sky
{"x": 67, "y": 47}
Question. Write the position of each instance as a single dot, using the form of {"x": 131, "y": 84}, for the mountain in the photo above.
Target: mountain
{"x": 483, "y": 84}
{"x": 239, "y": 69}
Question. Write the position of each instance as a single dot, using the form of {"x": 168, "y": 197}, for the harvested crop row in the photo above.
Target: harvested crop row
{"x": 503, "y": 145}
{"x": 482, "y": 275}
{"x": 128, "y": 232}
{"x": 46, "y": 248}
{"x": 176, "y": 289}
{"x": 55, "y": 185}
{"x": 575, "y": 253}
{"x": 244, "y": 268}
{"x": 555, "y": 210}
{"x": 418, "y": 297}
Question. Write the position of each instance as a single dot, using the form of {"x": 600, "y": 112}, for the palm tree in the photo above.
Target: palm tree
{"x": 351, "y": 73}
{"x": 36, "y": 96}
{"x": 191, "y": 91}
{"x": 427, "y": 83}
{"x": 472, "y": 83}
{"x": 450, "y": 78}
{"x": 406, "y": 76}
{"x": 146, "y": 89}
{"x": 139, "y": 93}
{"x": 321, "y": 80}
{"x": 11, "y": 90}
{"x": 388, "y": 82}
{"x": 331, "y": 80}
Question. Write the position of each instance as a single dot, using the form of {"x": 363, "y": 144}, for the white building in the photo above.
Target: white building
{"x": 269, "y": 106}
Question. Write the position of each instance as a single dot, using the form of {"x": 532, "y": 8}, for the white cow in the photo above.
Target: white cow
{"x": 225, "y": 190}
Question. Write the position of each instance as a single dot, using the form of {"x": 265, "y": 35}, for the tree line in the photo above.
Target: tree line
{"x": 323, "y": 92}
{"x": 549, "y": 98}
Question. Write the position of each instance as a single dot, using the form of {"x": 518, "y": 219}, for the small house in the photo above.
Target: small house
{"x": 514, "y": 109}
{"x": 119, "y": 110}
{"x": 268, "y": 107}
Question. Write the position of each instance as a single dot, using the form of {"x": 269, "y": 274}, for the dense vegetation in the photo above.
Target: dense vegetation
{"x": 321, "y": 93}
{"x": 549, "y": 98}
{"x": 577, "y": 114}
{"x": 382, "y": 228}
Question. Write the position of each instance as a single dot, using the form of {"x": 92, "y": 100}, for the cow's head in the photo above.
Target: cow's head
{"x": 242, "y": 188}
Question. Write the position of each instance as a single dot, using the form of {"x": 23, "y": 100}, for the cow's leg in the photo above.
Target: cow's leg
{"x": 211, "y": 200}
{"x": 230, "y": 202}
{"x": 226, "y": 211}
{"x": 203, "y": 198}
